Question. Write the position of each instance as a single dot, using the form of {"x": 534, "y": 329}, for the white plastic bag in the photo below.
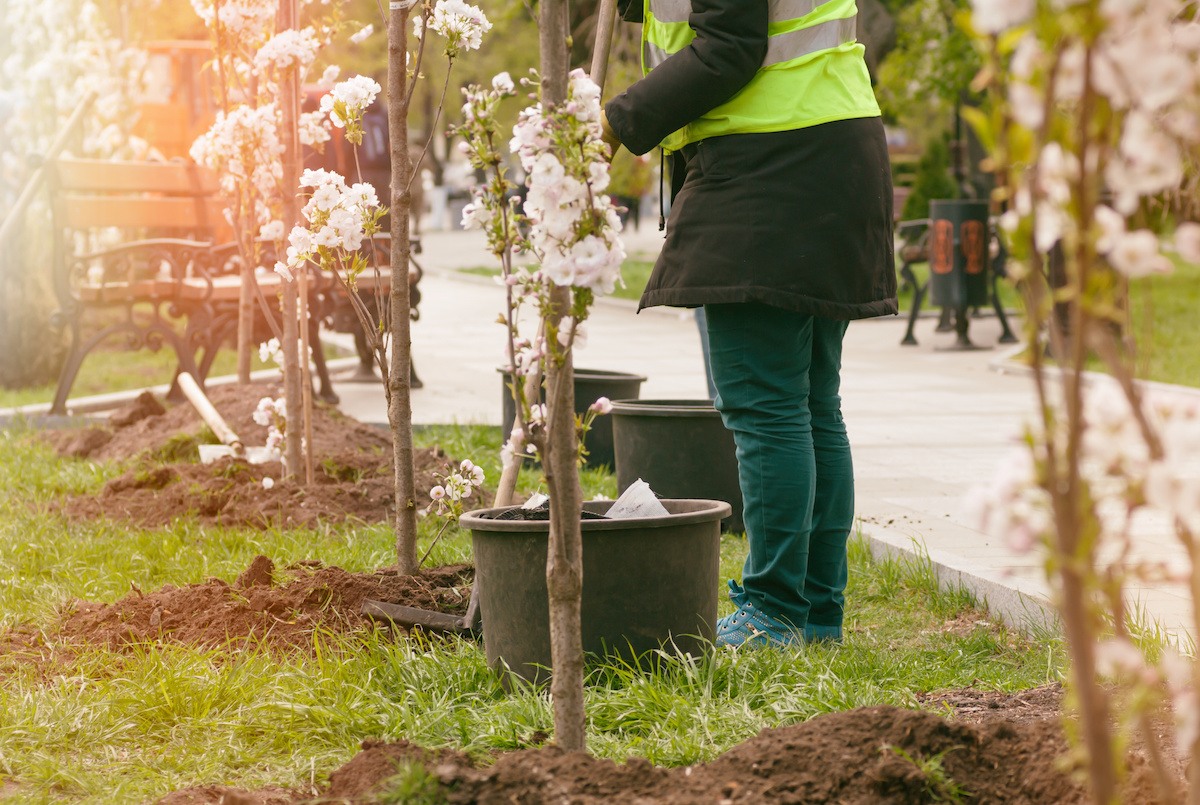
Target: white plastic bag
{"x": 637, "y": 501}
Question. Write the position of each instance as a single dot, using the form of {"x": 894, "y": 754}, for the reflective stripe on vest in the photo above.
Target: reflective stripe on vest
{"x": 786, "y": 46}
{"x": 780, "y": 11}
{"x": 813, "y": 71}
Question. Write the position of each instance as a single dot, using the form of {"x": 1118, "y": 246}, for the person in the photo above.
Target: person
{"x": 781, "y": 228}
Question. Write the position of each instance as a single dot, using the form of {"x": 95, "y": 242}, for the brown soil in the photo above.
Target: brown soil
{"x": 354, "y": 476}
{"x": 975, "y": 706}
{"x": 262, "y": 605}
{"x": 869, "y": 756}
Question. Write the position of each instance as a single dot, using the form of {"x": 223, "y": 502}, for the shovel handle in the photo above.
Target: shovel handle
{"x": 191, "y": 389}
{"x": 606, "y": 21}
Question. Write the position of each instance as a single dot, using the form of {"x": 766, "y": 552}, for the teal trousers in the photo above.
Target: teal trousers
{"x": 777, "y": 374}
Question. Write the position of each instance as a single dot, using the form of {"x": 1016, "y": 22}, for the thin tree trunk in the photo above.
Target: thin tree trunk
{"x": 399, "y": 391}
{"x": 564, "y": 559}
{"x": 292, "y": 386}
{"x": 306, "y": 379}
{"x": 245, "y": 333}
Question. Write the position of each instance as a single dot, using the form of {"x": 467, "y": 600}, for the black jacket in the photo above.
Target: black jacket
{"x": 798, "y": 219}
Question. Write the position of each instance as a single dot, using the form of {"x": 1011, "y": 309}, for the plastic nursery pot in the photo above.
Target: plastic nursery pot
{"x": 648, "y": 583}
{"x": 590, "y": 385}
{"x": 681, "y": 448}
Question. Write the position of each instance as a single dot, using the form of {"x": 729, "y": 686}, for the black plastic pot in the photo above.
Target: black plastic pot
{"x": 590, "y": 385}
{"x": 681, "y": 449}
{"x": 648, "y": 583}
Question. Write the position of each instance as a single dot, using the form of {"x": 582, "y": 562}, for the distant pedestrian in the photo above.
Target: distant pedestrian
{"x": 781, "y": 228}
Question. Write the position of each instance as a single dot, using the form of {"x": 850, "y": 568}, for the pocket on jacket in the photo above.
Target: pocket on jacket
{"x": 713, "y": 165}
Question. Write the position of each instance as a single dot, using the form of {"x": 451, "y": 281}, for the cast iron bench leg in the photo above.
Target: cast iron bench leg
{"x": 70, "y": 369}
{"x": 910, "y": 279}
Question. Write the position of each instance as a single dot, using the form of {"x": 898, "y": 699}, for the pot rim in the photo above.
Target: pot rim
{"x": 672, "y": 408}
{"x": 706, "y": 511}
{"x": 594, "y": 374}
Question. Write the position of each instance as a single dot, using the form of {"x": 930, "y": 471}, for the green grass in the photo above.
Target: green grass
{"x": 109, "y": 370}
{"x": 126, "y": 728}
{"x": 1164, "y": 310}
{"x": 1163, "y": 313}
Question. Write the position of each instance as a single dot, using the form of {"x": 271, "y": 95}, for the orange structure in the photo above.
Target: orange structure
{"x": 182, "y": 101}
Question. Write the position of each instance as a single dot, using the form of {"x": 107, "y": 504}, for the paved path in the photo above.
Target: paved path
{"x": 926, "y": 425}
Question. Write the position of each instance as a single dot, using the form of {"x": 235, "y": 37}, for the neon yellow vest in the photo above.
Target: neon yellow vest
{"x": 813, "y": 73}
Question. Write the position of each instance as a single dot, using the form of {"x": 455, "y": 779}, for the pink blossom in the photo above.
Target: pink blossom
{"x": 601, "y": 406}
{"x": 1187, "y": 241}
{"x": 1136, "y": 254}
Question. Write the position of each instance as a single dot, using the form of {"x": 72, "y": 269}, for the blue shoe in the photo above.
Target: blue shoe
{"x": 738, "y": 596}
{"x": 753, "y": 628}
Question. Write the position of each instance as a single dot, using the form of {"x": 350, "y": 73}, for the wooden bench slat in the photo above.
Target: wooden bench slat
{"x": 103, "y": 176}
{"x": 84, "y": 212}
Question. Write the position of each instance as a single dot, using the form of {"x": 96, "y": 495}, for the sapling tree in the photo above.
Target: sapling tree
{"x": 340, "y": 220}
{"x": 574, "y": 233}
{"x": 1093, "y": 109}
{"x": 261, "y": 57}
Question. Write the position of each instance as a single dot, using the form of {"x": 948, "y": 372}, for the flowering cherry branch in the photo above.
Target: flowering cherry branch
{"x": 574, "y": 229}
{"x": 1093, "y": 117}
{"x": 446, "y": 498}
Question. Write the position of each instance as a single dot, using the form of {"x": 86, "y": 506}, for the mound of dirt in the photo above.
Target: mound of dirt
{"x": 869, "y": 756}
{"x": 146, "y": 425}
{"x": 233, "y": 493}
{"x": 353, "y": 478}
{"x": 310, "y": 597}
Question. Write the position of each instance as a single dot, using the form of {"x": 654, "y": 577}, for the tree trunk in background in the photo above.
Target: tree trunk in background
{"x": 292, "y": 391}
{"x": 564, "y": 559}
{"x": 399, "y": 392}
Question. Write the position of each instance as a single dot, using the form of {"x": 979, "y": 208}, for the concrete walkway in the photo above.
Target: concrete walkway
{"x": 926, "y": 425}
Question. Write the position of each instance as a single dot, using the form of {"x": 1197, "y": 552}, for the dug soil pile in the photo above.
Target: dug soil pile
{"x": 279, "y": 609}
{"x": 354, "y": 468}
{"x": 869, "y": 756}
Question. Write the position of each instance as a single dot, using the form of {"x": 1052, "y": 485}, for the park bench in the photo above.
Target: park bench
{"x": 138, "y": 253}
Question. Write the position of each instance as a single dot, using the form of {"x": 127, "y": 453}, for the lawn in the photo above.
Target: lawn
{"x": 1164, "y": 310}
{"x": 109, "y": 370}
{"x": 126, "y": 727}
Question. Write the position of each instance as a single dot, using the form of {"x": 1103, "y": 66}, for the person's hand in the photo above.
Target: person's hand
{"x": 609, "y": 136}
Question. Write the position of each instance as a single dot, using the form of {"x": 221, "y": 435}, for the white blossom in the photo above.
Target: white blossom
{"x": 1187, "y": 241}
{"x": 995, "y": 16}
{"x": 1136, "y": 254}
{"x": 462, "y": 24}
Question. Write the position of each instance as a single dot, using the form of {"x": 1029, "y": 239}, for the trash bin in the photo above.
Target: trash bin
{"x": 958, "y": 259}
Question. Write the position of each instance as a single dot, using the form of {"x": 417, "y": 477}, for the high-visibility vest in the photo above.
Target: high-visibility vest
{"x": 813, "y": 72}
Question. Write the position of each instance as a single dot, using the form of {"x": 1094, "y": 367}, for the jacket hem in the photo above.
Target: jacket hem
{"x": 821, "y": 308}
